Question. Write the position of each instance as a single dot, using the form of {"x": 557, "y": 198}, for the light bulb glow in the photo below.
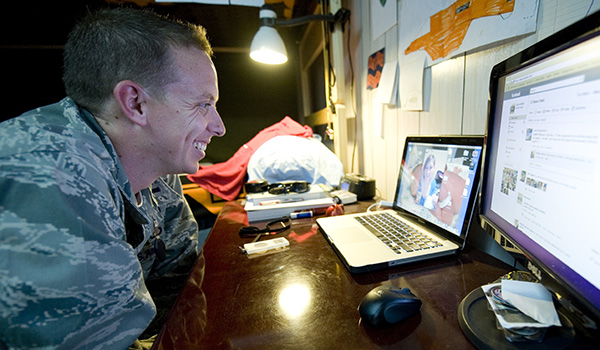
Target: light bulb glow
{"x": 267, "y": 46}
{"x": 268, "y": 56}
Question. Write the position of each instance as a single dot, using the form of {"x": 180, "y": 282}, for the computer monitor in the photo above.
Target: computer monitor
{"x": 540, "y": 186}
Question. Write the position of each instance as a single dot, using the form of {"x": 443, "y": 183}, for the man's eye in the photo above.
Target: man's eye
{"x": 204, "y": 107}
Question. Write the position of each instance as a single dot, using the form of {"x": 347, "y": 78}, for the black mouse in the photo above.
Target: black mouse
{"x": 387, "y": 305}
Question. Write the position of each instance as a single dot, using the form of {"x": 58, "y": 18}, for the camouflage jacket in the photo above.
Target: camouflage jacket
{"x": 69, "y": 279}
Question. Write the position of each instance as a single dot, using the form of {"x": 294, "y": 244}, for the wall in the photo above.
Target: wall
{"x": 456, "y": 94}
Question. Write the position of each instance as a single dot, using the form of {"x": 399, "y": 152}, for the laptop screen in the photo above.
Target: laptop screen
{"x": 438, "y": 180}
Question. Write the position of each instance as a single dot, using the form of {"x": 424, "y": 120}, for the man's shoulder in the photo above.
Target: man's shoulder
{"x": 53, "y": 145}
{"x": 53, "y": 127}
{"x": 51, "y": 134}
{"x": 58, "y": 113}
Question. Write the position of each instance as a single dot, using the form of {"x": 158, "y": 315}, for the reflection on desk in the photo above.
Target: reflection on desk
{"x": 304, "y": 298}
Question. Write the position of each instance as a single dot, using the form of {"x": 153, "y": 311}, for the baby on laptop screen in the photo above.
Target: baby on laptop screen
{"x": 434, "y": 180}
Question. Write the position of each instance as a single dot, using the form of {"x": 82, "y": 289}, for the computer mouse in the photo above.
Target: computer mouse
{"x": 388, "y": 305}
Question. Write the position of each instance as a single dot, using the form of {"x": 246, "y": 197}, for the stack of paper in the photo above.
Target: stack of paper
{"x": 257, "y": 212}
{"x": 266, "y": 198}
{"x": 524, "y": 310}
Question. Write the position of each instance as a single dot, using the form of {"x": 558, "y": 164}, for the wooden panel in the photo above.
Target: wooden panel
{"x": 318, "y": 118}
{"x": 477, "y": 79}
{"x": 445, "y": 113}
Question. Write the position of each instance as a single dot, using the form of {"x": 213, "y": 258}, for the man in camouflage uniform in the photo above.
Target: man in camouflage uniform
{"x": 89, "y": 213}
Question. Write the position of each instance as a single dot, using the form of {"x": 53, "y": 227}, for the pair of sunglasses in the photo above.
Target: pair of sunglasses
{"x": 283, "y": 187}
{"x": 287, "y": 187}
{"x": 271, "y": 228}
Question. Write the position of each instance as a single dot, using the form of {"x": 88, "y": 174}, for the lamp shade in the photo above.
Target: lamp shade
{"x": 267, "y": 46}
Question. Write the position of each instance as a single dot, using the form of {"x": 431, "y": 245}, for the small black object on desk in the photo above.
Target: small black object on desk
{"x": 387, "y": 305}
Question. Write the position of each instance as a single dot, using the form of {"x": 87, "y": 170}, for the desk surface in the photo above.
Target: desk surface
{"x": 304, "y": 297}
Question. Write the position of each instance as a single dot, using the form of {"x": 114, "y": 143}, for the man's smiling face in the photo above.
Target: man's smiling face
{"x": 185, "y": 119}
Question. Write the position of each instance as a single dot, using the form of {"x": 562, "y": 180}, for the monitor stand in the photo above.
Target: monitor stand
{"x": 478, "y": 323}
{"x": 483, "y": 241}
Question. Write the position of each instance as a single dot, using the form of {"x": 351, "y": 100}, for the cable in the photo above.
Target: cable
{"x": 589, "y": 8}
{"x": 353, "y": 101}
{"x": 380, "y": 204}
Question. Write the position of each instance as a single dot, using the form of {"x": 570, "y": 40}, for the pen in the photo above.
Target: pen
{"x": 302, "y": 214}
{"x": 269, "y": 202}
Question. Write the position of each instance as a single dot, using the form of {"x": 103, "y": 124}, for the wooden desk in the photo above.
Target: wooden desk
{"x": 304, "y": 297}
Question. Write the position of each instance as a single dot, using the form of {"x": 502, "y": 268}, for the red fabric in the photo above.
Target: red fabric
{"x": 226, "y": 179}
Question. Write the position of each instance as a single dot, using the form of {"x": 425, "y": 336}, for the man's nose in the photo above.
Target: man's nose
{"x": 216, "y": 126}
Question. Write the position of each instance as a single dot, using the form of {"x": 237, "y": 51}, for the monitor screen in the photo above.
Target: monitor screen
{"x": 542, "y": 163}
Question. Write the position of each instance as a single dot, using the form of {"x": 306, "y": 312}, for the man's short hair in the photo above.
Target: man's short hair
{"x": 111, "y": 45}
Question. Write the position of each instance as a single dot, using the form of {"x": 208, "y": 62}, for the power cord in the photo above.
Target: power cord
{"x": 378, "y": 205}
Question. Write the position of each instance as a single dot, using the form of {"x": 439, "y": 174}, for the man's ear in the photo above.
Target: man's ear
{"x": 132, "y": 97}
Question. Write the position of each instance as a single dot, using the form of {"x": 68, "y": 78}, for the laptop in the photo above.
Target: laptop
{"x": 435, "y": 197}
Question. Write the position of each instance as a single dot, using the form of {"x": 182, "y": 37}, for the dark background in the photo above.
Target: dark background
{"x": 253, "y": 96}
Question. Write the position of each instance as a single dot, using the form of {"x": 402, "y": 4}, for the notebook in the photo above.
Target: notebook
{"x": 435, "y": 194}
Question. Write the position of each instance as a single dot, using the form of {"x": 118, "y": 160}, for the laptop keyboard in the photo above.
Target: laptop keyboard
{"x": 396, "y": 234}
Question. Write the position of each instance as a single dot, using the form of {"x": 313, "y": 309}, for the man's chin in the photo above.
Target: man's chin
{"x": 190, "y": 172}
{"x": 193, "y": 169}
{"x": 190, "y": 166}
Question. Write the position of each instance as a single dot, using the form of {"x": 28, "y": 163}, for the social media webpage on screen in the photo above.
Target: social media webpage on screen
{"x": 548, "y": 167}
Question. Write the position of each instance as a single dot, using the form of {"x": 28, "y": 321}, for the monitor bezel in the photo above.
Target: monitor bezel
{"x": 571, "y": 36}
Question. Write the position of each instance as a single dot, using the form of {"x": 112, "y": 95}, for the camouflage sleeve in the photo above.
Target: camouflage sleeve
{"x": 68, "y": 279}
{"x": 180, "y": 228}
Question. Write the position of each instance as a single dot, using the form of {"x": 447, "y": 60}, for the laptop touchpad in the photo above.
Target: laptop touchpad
{"x": 352, "y": 236}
